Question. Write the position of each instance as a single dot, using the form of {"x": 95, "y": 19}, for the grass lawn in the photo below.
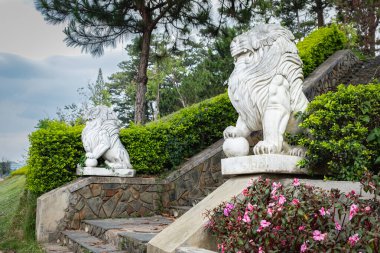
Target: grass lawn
{"x": 17, "y": 217}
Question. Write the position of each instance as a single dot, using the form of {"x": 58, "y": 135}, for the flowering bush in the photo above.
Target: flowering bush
{"x": 269, "y": 217}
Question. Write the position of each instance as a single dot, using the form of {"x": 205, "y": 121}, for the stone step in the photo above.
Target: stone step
{"x": 81, "y": 242}
{"x": 55, "y": 248}
{"x": 131, "y": 234}
{"x": 178, "y": 211}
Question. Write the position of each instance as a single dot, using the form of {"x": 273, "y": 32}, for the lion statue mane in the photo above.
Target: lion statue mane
{"x": 265, "y": 86}
{"x": 100, "y": 138}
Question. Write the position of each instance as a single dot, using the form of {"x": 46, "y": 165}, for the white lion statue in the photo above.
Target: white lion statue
{"x": 100, "y": 138}
{"x": 265, "y": 88}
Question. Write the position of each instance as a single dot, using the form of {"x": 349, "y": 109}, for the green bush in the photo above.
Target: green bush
{"x": 54, "y": 153}
{"x": 319, "y": 45}
{"x": 341, "y": 126}
{"x": 161, "y": 145}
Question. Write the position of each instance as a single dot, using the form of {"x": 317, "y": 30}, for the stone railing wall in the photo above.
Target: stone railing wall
{"x": 329, "y": 73}
{"x": 110, "y": 197}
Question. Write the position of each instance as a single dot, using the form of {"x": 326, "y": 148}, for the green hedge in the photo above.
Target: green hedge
{"x": 158, "y": 146}
{"x": 343, "y": 138}
{"x": 53, "y": 156}
{"x": 319, "y": 45}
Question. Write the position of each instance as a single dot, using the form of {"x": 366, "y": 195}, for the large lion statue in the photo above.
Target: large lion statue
{"x": 100, "y": 138}
{"x": 265, "y": 86}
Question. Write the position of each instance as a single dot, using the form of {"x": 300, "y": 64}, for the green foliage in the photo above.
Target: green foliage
{"x": 53, "y": 155}
{"x": 17, "y": 217}
{"x": 319, "y": 45}
{"x": 269, "y": 217}
{"x": 164, "y": 144}
{"x": 21, "y": 171}
{"x": 161, "y": 145}
{"x": 343, "y": 132}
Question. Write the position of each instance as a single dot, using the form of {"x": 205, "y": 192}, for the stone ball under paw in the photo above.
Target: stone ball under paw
{"x": 90, "y": 162}
{"x": 238, "y": 146}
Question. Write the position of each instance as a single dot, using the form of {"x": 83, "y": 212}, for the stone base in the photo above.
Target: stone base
{"x": 268, "y": 163}
{"x": 96, "y": 171}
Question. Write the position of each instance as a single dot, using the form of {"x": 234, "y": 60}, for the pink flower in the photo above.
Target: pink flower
{"x": 264, "y": 223}
{"x": 281, "y": 200}
{"x": 318, "y": 236}
{"x": 296, "y": 182}
{"x": 239, "y": 218}
{"x": 322, "y": 211}
{"x": 301, "y": 228}
{"x": 246, "y": 218}
{"x": 367, "y": 209}
{"x": 270, "y": 211}
{"x": 259, "y": 229}
{"x": 250, "y": 183}
{"x": 250, "y": 207}
{"x": 303, "y": 247}
{"x": 227, "y": 210}
{"x": 354, "y": 209}
{"x": 352, "y": 240}
{"x": 277, "y": 228}
{"x": 271, "y": 204}
{"x": 221, "y": 247}
{"x": 245, "y": 192}
{"x": 295, "y": 202}
{"x": 261, "y": 250}
{"x": 338, "y": 226}
{"x": 275, "y": 186}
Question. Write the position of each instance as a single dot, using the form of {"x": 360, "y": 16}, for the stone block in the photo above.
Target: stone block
{"x": 110, "y": 205}
{"x": 146, "y": 197}
{"x": 96, "y": 189}
{"x": 135, "y": 193}
{"x": 85, "y": 192}
{"x": 95, "y": 204}
{"x": 255, "y": 164}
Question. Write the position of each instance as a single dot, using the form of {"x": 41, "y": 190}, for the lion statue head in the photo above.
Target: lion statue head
{"x": 265, "y": 86}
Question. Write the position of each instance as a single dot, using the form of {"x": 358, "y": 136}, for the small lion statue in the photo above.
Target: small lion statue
{"x": 265, "y": 88}
{"x": 100, "y": 138}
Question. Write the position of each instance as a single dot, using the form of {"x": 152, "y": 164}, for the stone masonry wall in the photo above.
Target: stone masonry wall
{"x": 110, "y": 197}
{"x": 329, "y": 73}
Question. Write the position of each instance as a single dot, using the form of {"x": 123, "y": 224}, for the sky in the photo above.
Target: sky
{"x": 39, "y": 73}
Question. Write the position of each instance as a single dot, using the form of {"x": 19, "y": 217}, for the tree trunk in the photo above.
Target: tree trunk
{"x": 142, "y": 79}
{"x": 372, "y": 26}
{"x": 319, "y": 11}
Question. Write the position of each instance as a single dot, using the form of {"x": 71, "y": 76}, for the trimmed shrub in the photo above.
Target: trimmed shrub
{"x": 54, "y": 154}
{"x": 319, "y": 45}
{"x": 270, "y": 217}
{"x": 154, "y": 148}
{"x": 341, "y": 138}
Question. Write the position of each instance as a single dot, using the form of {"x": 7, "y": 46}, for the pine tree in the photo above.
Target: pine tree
{"x": 94, "y": 25}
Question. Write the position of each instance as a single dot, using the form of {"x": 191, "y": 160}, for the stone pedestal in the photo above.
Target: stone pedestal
{"x": 268, "y": 163}
{"x": 97, "y": 171}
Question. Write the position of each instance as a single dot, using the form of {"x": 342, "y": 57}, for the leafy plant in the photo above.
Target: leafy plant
{"x": 341, "y": 138}
{"x": 270, "y": 217}
{"x": 319, "y": 45}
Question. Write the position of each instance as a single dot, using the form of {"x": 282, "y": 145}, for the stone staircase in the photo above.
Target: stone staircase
{"x": 363, "y": 72}
{"x": 110, "y": 235}
{"x": 125, "y": 235}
